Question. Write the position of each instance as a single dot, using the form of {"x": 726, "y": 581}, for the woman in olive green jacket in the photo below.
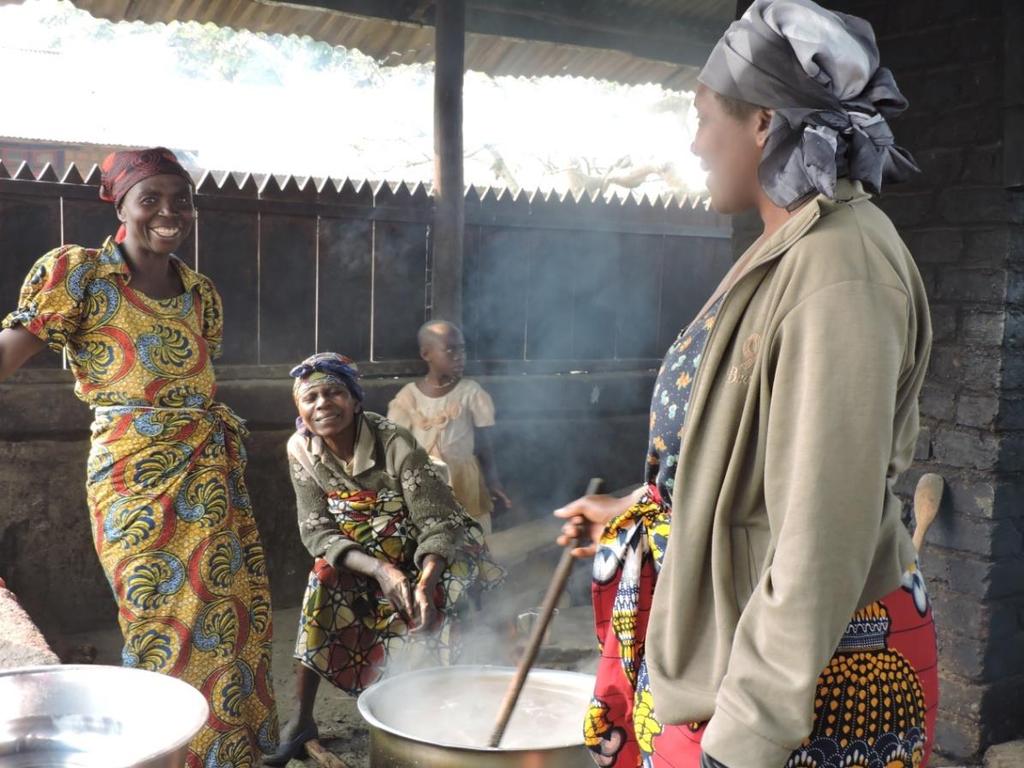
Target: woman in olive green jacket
{"x": 789, "y": 625}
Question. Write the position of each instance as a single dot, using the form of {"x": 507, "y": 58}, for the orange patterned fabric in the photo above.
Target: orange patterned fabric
{"x": 123, "y": 170}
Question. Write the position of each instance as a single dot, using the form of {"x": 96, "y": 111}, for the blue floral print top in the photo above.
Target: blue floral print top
{"x": 671, "y": 399}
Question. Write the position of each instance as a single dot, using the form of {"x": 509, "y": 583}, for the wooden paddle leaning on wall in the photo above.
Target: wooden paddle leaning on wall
{"x": 927, "y": 498}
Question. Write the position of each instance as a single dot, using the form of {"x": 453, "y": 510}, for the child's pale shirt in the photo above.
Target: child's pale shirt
{"x": 444, "y": 425}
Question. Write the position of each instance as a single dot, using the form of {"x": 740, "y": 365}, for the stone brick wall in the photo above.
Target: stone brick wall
{"x": 961, "y": 65}
{"x": 964, "y": 227}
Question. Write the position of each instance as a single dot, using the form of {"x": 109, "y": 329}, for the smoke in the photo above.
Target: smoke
{"x": 496, "y": 632}
{"x": 565, "y": 329}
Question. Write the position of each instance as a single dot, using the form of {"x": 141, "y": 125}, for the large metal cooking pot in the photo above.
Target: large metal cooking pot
{"x": 96, "y": 717}
{"x": 441, "y": 718}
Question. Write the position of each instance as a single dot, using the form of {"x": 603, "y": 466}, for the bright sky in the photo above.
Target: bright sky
{"x": 248, "y": 102}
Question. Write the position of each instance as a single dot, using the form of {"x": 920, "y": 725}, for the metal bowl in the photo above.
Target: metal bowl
{"x": 440, "y": 718}
{"x": 96, "y": 717}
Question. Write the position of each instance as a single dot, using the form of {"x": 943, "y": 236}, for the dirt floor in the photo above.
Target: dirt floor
{"x": 570, "y": 645}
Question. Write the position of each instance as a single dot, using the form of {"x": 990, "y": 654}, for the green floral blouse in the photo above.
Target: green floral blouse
{"x": 390, "y": 477}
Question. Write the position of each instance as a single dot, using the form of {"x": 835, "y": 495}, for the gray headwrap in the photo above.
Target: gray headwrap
{"x": 818, "y": 70}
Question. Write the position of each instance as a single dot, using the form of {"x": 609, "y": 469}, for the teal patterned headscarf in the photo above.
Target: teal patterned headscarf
{"x": 328, "y": 367}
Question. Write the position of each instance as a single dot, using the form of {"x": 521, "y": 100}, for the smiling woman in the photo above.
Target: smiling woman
{"x": 395, "y": 557}
{"x": 171, "y": 518}
{"x": 157, "y": 215}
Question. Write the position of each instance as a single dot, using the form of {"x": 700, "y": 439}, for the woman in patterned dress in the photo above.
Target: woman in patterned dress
{"x": 395, "y": 555}
{"x": 757, "y": 601}
{"x": 171, "y": 518}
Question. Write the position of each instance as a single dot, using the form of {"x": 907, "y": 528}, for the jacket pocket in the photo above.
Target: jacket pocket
{"x": 749, "y": 549}
{"x": 743, "y": 571}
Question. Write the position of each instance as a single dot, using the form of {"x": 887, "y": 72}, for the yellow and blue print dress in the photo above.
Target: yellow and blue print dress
{"x": 171, "y": 518}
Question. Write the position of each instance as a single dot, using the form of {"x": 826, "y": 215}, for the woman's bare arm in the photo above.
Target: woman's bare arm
{"x": 17, "y": 346}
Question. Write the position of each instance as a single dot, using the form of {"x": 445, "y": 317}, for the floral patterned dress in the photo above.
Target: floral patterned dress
{"x": 391, "y": 503}
{"x": 171, "y": 518}
{"x": 877, "y": 698}
{"x": 445, "y": 427}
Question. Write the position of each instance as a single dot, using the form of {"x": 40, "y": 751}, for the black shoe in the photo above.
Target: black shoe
{"x": 289, "y": 749}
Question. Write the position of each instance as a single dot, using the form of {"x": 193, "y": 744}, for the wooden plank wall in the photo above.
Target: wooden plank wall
{"x": 550, "y": 282}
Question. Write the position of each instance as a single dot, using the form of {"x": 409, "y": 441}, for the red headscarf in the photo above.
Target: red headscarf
{"x": 123, "y": 170}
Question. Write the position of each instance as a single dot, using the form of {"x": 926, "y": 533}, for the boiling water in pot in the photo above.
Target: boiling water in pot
{"x": 460, "y": 711}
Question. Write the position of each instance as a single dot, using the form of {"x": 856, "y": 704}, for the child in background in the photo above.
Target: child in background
{"x": 451, "y": 417}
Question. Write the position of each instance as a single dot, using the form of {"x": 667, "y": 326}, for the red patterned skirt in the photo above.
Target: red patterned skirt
{"x": 876, "y": 700}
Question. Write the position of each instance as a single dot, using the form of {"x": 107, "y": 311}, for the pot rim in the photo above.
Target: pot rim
{"x": 365, "y": 702}
{"x": 77, "y": 672}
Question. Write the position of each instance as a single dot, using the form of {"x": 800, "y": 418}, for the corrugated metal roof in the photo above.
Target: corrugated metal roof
{"x": 520, "y": 133}
{"x": 404, "y": 42}
{"x": 711, "y": 11}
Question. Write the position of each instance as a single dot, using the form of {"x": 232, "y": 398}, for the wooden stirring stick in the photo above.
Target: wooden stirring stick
{"x": 927, "y": 498}
{"x": 547, "y": 609}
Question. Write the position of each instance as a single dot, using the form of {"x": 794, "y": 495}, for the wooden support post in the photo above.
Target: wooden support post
{"x": 449, "y": 200}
